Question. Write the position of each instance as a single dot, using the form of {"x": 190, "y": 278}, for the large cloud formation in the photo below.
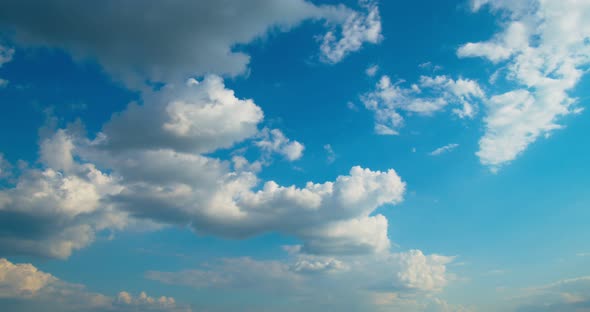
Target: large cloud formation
{"x": 153, "y": 169}
{"x": 173, "y": 40}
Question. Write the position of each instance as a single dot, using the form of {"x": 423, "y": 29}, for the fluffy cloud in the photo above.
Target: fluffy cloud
{"x": 356, "y": 30}
{"x": 430, "y": 95}
{"x": 50, "y": 212}
{"x": 21, "y": 280}
{"x": 444, "y": 149}
{"x": 197, "y": 117}
{"x": 29, "y": 289}
{"x": 165, "y": 41}
{"x": 158, "y": 173}
{"x": 274, "y": 141}
{"x": 544, "y": 47}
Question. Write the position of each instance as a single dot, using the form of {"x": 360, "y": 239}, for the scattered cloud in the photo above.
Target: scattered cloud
{"x": 357, "y": 29}
{"x": 274, "y": 141}
{"x": 444, "y": 149}
{"x": 430, "y": 95}
{"x": 409, "y": 275}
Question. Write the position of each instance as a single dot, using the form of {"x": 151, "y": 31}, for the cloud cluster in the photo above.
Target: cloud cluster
{"x": 172, "y": 41}
{"x": 542, "y": 51}
{"x": 430, "y": 95}
{"x": 154, "y": 170}
{"x": 409, "y": 275}
{"x": 28, "y": 289}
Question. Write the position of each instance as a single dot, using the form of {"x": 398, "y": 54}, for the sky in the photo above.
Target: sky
{"x": 294, "y": 155}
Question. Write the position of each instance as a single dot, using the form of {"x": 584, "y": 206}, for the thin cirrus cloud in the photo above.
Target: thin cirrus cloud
{"x": 444, "y": 149}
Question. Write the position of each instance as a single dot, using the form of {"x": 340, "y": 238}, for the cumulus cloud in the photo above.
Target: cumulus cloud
{"x": 171, "y": 41}
{"x": 544, "y": 49}
{"x": 154, "y": 170}
{"x": 197, "y": 117}
{"x": 274, "y": 141}
{"x": 430, "y": 95}
{"x": 50, "y": 212}
{"x": 444, "y": 149}
{"x": 30, "y": 289}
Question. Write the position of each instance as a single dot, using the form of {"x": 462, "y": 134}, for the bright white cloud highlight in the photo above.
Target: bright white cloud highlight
{"x": 545, "y": 47}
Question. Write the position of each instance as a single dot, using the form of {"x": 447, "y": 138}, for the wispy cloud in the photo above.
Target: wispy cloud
{"x": 444, "y": 149}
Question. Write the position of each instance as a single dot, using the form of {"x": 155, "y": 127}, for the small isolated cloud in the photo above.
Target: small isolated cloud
{"x": 372, "y": 70}
{"x": 330, "y": 155}
{"x": 444, "y": 149}
{"x": 274, "y": 141}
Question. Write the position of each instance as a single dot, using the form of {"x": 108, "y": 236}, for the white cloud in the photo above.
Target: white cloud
{"x": 197, "y": 117}
{"x": 444, "y": 149}
{"x": 421, "y": 272}
{"x": 372, "y": 70}
{"x": 187, "y": 38}
{"x": 430, "y": 95}
{"x": 545, "y": 47}
{"x": 356, "y": 30}
{"x": 157, "y": 174}
{"x": 274, "y": 141}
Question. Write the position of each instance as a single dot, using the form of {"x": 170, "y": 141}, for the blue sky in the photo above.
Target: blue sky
{"x": 294, "y": 155}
